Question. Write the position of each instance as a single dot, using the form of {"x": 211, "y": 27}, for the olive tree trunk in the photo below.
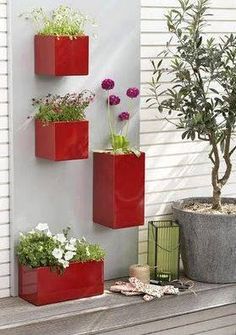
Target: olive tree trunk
{"x": 217, "y": 182}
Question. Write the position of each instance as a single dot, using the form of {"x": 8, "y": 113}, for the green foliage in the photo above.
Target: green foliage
{"x": 203, "y": 77}
{"x": 120, "y": 144}
{"x": 63, "y": 21}
{"x": 35, "y": 250}
{"x": 203, "y": 93}
{"x": 40, "y": 248}
{"x": 88, "y": 252}
{"x": 70, "y": 107}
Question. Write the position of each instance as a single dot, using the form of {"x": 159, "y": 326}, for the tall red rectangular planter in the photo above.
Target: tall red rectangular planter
{"x": 61, "y": 56}
{"x": 60, "y": 141}
{"x": 118, "y": 190}
{"x": 42, "y": 286}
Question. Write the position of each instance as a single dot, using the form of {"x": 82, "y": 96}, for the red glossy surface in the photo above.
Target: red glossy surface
{"x": 118, "y": 190}
{"x": 42, "y": 286}
{"x": 61, "y": 141}
{"x": 61, "y": 56}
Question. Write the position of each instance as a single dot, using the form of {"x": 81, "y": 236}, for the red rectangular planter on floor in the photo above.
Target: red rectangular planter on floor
{"x": 60, "y": 141}
{"x": 42, "y": 286}
{"x": 61, "y": 56}
{"x": 118, "y": 190}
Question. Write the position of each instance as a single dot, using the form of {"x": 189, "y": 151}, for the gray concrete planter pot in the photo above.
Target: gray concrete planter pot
{"x": 208, "y": 243}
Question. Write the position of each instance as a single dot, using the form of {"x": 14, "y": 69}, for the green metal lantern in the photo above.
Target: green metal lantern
{"x": 163, "y": 250}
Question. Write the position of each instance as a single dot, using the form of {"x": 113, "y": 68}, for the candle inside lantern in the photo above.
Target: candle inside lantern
{"x": 141, "y": 272}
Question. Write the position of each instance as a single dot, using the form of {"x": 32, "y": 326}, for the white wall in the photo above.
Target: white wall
{"x": 4, "y": 149}
{"x": 60, "y": 193}
{"x": 175, "y": 168}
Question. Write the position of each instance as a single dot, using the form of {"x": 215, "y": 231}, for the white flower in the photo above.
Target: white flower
{"x": 72, "y": 240}
{"x": 69, "y": 255}
{"x": 64, "y": 263}
{"x": 42, "y": 227}
{"x": 83, "y": 239}
{"x": 57, "y": 253}
{"x": 87, "y": 252}
{"x": 49, "y": 234}
{"x": 70, "y": 247}
{"x": 60, "y": 238}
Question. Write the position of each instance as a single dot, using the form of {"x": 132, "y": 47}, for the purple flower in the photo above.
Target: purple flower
{"x": 123, "y": 116}
{"x": 114, "y": 100}
{"x": 108, "y": 84}
{"x": 132, "y": 92}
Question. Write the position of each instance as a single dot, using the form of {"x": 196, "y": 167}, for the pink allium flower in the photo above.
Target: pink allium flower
{"x": 123, "y": 116}
{"x": 132, "y": 92}
{"x": 114, "y": 100}
{"x": 108, "y": 84}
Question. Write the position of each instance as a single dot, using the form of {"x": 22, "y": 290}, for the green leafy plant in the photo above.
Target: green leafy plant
{"x": 70, "y": 107}
{"x": 63, "y": 21}
{"x": 39, "y": 248}
{"x": 203, "y": 91}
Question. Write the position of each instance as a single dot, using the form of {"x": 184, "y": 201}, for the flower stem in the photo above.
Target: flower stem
{"x": 130, "y": 103}
{"x": 110, "y": 118}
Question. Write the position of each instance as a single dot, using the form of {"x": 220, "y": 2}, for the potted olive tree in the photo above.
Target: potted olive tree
{"x": 203, "y": 96}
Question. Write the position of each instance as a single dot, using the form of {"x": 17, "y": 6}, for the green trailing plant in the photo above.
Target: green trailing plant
{"x": 63, "y": 21}
{"x": 203, "y": 91}
{"x": 70, "y": 107}
{"x": 39, "y": 248}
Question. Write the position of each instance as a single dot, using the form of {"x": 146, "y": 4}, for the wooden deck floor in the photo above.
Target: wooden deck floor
{"x": 212, "y": 311}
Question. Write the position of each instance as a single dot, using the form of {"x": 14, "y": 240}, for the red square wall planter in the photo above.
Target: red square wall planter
{"x": 60, "y": 141}
{"x": 42, "y": 286}
{"x": 118, "y": 190}
{"x": 61, "y": 56}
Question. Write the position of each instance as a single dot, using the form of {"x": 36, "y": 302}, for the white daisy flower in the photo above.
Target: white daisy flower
{"x": 70, "y": 247}
{"x": 60, "y": 238}
{"x": 57, "y": 253}
{"x": 69, "y": 255}
{"x": 42, "y": 227}
{"x": 72, "y": 240}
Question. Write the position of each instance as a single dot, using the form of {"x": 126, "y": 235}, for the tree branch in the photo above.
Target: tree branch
{"x": 232, "y": 151}
{"x": 227, "y": 159}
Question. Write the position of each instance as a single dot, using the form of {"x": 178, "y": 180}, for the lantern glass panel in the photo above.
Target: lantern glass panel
{"x": 163, "y": 250}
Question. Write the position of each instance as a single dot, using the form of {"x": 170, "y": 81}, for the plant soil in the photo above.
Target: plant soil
{"x": 206, "y": 208}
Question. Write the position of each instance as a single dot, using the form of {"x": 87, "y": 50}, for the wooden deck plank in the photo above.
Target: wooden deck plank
{"x": 24, "y": 312}
{"x": 113, "y": 313}
{"x": 176, "y": 324}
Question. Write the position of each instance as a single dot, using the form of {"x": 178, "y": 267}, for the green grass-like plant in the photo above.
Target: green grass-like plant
{"x": 63, "y": 21}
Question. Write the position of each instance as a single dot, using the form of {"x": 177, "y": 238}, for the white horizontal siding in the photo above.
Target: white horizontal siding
{"x": 175, "y": 168}
{"x": 4, "y": 160}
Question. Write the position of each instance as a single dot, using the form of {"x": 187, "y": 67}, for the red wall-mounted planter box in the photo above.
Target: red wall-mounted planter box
{"x": 42, "y": 286}
{"x": 61, "y": 56}
{"x": 60, "y": 141}
{"x": 118, "y": 190}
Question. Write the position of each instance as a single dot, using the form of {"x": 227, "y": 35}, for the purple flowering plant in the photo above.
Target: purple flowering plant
{"x": 119, "y": 139}
{"x": 70, "y": 107}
